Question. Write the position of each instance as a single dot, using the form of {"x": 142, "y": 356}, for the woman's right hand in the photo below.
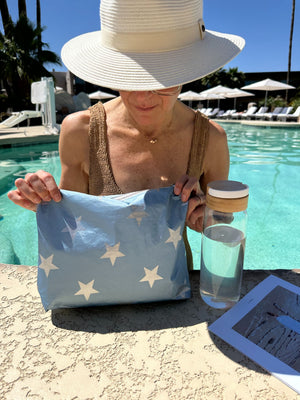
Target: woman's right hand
{"x": 33, "y": 189}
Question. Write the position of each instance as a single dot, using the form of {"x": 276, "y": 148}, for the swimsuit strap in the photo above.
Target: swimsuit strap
{"x": 101, "y": 179}
{"x": 198, "y": 147}
{"x": 195, "y": 166}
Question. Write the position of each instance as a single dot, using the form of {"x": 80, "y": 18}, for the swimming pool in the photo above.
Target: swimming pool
{"x": 18, "y": 233}
{"x": 267, "y": 159}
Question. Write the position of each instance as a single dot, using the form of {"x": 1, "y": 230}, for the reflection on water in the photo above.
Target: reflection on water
{"x": 18, "y": 233}
{"x": 256, "y": 145}
{"x": 268, "y": 160}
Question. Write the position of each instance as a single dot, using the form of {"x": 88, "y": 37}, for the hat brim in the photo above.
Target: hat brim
{"x": 86, "y": 58}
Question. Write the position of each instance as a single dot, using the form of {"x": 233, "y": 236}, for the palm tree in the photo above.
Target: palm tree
{"x": 290, "y": 46}
{"x": 21, "y": 63}
{"x": 214, "y": 79}
{"x": 6, "y": 18}
{"x": 22, "y": 8}
{"x": 233, "y": 78}
{"x": 38, "y": 25}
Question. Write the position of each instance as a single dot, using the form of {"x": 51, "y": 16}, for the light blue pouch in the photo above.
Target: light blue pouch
{"x": 103, "y": 250}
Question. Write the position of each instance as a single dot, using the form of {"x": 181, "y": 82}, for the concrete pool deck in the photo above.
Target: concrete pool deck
{"x": 160, "y": 351}
{"x": 25, "y": 135}
{"x": 266, "y": 124}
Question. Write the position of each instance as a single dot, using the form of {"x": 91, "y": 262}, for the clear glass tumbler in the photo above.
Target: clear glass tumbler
{"x": 223, "y": 243}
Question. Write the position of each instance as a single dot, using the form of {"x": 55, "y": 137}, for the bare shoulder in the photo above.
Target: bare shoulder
{"x": 216, "y": 158}
{"x": 74, "y": 139}
{"x": 74, "y": 152}
{"x": 216, "y": 132}
{"x": 76, "y": 123}
{"x": 217, "y": 139}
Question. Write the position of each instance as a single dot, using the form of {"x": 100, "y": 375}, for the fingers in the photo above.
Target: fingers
{"x": 18, "y": 199}
{"x": 197, "y": 226}
{"x": 185, "y": 186}
{"x": 189, "y": 189}
{"x": 195, "y": 213}
{"x": 33, "y": 189}
{"x": 195, "y": 208}
{"x": 27, "y": 191}
{"x": 42, "y": 184}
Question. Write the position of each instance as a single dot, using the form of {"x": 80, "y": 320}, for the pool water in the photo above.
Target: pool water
{"x": 267, "y": 159}
{"x": 18, "y": 232}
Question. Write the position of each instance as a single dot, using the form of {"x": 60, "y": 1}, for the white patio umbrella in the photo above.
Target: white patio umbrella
{"x": 99, "y": 95}
{"x": 234, "y": 93}
{"x": 268, "y": 85}
{"x": 189, "y": 96}
{"x": 218, "y": 91}
{"x": 212, "y": 96}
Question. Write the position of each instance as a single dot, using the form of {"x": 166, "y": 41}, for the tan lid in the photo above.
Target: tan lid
{"x": 227, "y": 196}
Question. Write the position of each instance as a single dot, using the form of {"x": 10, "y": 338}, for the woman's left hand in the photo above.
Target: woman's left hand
{"x": 189, "y": 189}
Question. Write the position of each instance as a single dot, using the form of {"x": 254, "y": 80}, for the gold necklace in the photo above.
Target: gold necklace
{"x": 153, "y": 141}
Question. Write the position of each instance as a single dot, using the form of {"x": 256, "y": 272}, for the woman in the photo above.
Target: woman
{"x": 145, "y": 138}
{"x": 149, "y": 137}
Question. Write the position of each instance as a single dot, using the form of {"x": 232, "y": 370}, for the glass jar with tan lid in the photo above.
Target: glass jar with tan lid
{"x": 223, "y": 243}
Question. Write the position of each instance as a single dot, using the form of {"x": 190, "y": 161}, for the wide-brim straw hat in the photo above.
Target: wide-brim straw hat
{"x": 149, "y": 45}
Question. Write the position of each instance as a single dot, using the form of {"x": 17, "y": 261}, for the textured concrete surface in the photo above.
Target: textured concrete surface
{"x": 27, "y": 135}
{"x": 152, "y": 351}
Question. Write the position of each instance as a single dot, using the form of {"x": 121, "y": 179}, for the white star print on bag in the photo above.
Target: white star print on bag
{"x": 116, "y": 249}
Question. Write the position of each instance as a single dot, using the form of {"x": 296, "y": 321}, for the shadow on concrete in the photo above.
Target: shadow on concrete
{"x": 157, "y": 316}
{"x": 122, "y": 318}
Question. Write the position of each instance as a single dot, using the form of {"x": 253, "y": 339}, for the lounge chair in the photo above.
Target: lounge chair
{"x": 202, "y": 110}
{"x": 258, "y": 114}
{"x": 244, "y": 115}
{"x": 269, "y": 115}
{"x": 295, "y": 116}
{"x": 284, "y": 112}
{"x": 212, "y": 113}
{"x": 220, "y": 114}
{"x": 288, "y": 116}
{"x": 228, "y": 113}
{"x": 207, "y": 111}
